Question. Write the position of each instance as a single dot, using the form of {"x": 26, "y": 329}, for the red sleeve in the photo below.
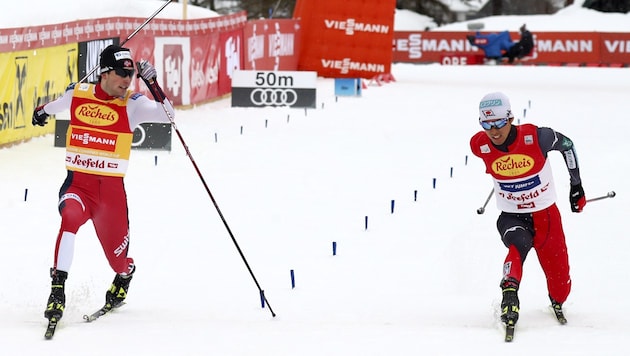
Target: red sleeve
{"x": 476, "y": 142}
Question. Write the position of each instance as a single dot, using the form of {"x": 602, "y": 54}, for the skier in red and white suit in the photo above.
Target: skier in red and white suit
{"x": 516, "y": 158}
{"x": 103, "y": 117}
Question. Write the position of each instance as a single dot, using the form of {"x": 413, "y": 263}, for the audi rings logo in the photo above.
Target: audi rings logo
{"x": 272, "y": 96}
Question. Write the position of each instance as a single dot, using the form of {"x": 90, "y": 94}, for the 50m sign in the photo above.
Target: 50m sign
{"x": 274, "y": 88}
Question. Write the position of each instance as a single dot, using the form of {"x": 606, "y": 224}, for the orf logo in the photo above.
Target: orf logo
{"x": 96, "y": 114}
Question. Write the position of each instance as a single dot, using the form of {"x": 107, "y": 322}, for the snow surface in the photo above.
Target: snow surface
{"x": 573, "y": 18}
{"x": 420, "y": 281}
{"x": 407, "y": 20}
{"x": 22, "y": 14}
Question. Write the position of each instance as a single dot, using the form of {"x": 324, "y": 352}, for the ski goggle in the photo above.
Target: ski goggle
{"x": 121, "y": 72}
{"x": 488, "y": 125}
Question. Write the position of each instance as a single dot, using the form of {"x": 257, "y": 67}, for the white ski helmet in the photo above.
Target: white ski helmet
{"x": 495, "y": 106}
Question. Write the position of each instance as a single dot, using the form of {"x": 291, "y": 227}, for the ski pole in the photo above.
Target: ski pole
{"x": 161, "y": 99}
{"x": 483, "y": 208}
{"x": 132, "y": 34}
{"x": 610, "y": 194}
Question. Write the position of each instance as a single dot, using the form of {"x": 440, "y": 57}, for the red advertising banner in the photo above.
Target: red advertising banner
{"x": 192, "y": 57}
{"x": 142, "y": 48}
{"x": 17, "y": 39}
{"x": 272, "y": 45}
{"x": 231, "y": 58}
{"x": 549, "y": 48}
{"x": 565, "y": 47}
{"x": 350, "y": 38}
{"x": 615, "y": 48}
{"x": 204, "y": 67}
{"x": 174, "y": 61}
{"x": 171, "y": 57}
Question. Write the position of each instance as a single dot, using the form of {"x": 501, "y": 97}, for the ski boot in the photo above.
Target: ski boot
{"x": 119, "y": 288}
{"x": 557, "y": 310}
{"x": 57, "y": 299}
{"x": 509, "y": 304}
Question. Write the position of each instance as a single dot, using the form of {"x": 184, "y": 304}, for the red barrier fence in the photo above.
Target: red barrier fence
{"x": 551, "y": 48}
{"x": 195, "y": 59}
{"x": 272, "y": 44}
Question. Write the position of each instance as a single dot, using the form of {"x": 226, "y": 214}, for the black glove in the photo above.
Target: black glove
{"x": 39, "y": 116}
{"x": 576, "y": 198}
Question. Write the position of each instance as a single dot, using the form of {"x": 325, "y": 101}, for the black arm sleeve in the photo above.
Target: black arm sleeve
{"x": 550, "y": 140}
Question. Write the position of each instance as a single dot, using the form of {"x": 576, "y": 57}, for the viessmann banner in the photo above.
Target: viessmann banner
{"x": 549, "y": 48}
{"x": 346, "y": 39}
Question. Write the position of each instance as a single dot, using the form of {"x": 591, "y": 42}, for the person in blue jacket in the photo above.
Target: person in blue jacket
{"x": 497, "y": 46}
{"x": 494, "y": 45}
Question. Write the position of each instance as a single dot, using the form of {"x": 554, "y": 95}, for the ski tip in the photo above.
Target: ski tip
{"x": 50, "y": 329}
{"x": 509, "y": 331}
{"x": 90, "y": 318}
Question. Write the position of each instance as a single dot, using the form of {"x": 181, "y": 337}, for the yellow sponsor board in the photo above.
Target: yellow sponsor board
{"x": 31, "y": 78}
